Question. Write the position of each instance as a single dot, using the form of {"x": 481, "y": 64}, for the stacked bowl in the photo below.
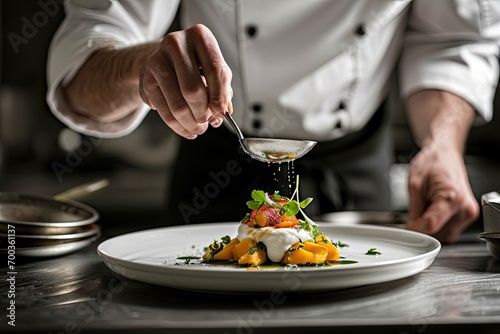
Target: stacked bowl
{"x": 490, "y": 203}
{"x": 44, "y": 226}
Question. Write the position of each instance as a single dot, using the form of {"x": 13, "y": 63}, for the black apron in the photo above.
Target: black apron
{"x": 212, "y": 179}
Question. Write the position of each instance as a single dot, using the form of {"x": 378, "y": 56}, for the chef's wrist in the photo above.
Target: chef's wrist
{"x": 139, "y": 55}
{"x": 440, "y": 120}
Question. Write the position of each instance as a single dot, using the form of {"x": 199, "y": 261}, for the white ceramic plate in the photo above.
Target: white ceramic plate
{"x": 151, "y": 256}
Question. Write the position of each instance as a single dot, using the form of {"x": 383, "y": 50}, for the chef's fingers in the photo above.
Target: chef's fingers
{"x": 156, "y": 74}
{"x": 177, "y": 105}
{"x": 417, "y": 197}
{"x": 435, "y": 217}
{"x": 157, "y": 99}
{"x": 454, "y": 228}
{"x": 182, "y": 54}
{"x": 467, "y": 213}
{"x": 178, "y": 78}
{"x": 449, "y": 212}
{"x": 217, "y": 73}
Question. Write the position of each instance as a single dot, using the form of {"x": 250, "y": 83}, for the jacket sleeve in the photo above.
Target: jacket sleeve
{"x": 453, "y": 45}
{"x": 93, "y": 24}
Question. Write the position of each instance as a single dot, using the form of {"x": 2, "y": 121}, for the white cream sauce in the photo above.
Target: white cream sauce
{"x": 277, "y": 240}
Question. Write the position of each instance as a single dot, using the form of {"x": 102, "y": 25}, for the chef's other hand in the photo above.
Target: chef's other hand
{"x": 187, "y": 81}
{"x": 441, "y": 200}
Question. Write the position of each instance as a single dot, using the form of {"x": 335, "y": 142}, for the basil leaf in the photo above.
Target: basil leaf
{"x": 259, "y": 195}
{"x": 254, "y": 205}
{"x": 293, "y": 208}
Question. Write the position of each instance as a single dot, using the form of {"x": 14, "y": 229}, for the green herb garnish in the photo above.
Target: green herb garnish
{"x": 259, "y": 198}
{"x": 226, "y": 239}
{"x": 340, "y": 244}
{"x": 277, "y": 196}
{"x": 291, "y": 249}
{"x": 290, "y": 208}
{"x": 310, "y": 227}
{"x": 373, "y": 251}
{"x": 342, "y": 262}
{"x": 246, "y": 218}
{"x": 252, "y": 250}
{"x": 188, "y": 259}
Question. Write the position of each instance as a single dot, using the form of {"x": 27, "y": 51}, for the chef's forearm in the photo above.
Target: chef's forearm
{"x": 440, "y": 119}
{"x": 106, "y": 88}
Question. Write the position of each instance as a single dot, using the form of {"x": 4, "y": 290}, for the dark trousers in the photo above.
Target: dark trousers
{"x": 213, "y": 179}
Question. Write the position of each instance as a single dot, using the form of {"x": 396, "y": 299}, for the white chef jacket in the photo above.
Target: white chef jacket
{"x": 315, "y": 69}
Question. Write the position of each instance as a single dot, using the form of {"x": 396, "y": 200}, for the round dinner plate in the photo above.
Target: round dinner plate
{"x": 158, "y": 256}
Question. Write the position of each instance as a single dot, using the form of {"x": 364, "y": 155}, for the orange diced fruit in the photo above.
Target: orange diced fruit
{"x": 306, "y": 253}
{"x": 333, "y": 251}
{"x": 227, "y": 252}
{"x": 243, "y": 247}
{"x": 256, "y": 258}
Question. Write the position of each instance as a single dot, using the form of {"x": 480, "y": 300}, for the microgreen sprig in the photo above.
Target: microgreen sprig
{"x": 303, "y": 204}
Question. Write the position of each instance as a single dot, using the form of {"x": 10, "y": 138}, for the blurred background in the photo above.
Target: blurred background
{"x": 38, "y": 154}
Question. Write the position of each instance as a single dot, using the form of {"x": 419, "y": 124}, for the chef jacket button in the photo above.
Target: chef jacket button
{"x": 341, "y": 105}
{"x": 251, "y": 30}
{"x": 361, "y": 30}
{"x": 256, "y": 124}
{"x": 257, "y": 107}
{"x": 338, "y": 125}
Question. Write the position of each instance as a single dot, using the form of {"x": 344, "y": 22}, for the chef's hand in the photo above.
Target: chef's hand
{"x": 441, "y": 200}
{"x": 171, "y": 81}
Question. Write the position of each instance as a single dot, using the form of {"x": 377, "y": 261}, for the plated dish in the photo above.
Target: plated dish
{"x": 272, "y": 233}
{"x": 161, "y": 257}
{"x": 276, "y": 247}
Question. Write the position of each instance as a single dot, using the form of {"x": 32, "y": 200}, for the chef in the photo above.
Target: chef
{"x": 316, "y": 70}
